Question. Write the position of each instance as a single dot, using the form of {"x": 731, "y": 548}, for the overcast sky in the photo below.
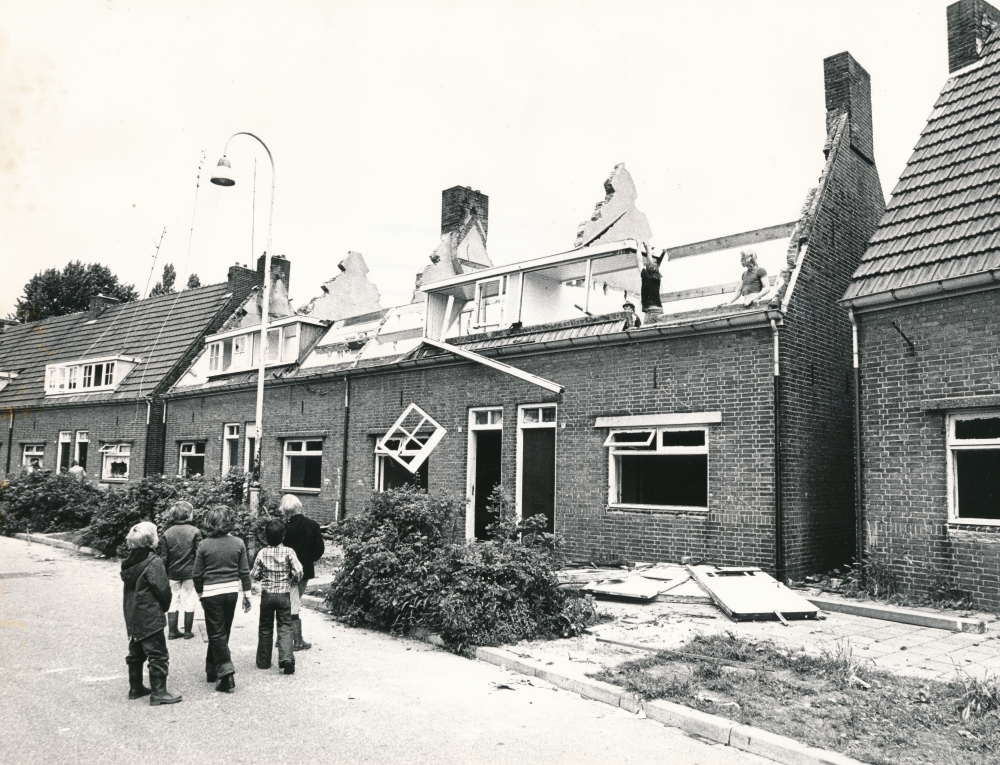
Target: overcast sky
{"x": 372, "y": 108}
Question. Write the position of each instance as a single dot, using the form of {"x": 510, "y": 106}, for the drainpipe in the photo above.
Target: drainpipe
{"x": 10, "y": 441}
{"x": 779, "y": 519}
{"x": 859, "y": 509}
{"x": 343, "y": 465}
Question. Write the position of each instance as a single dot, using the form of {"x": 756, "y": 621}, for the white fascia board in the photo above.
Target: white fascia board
{"x": 582, "y": 253}
{"x": 498, "y": 365}
{"x": 652, "y": 420}
{"x": 296, "y": 319}
{"x": 94, "y": 360}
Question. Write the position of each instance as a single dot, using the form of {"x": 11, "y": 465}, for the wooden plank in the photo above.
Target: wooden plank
{"x": 697, "y": 292}
{"x": 747, "y": 595}
{"x": 732, "y": 241}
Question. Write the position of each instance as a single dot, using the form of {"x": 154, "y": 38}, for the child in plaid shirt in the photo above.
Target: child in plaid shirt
{"x": 276, "y": 568}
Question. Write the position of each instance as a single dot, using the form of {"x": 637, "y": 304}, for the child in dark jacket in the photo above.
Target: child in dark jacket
{"x": 278, "y": 570}
{"x": 146, "y": 597}
{"x": 178, "y": 548}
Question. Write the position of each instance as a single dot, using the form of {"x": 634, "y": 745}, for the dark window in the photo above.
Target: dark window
{"x": 980, "y": 428}
{"x": 395, "y": 476}
{"x": 977, "y": 473}
{"x": 663, "y": 479}
{"x": 682, "y": 438}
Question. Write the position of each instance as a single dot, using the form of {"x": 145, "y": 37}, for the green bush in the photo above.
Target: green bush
{"x": 400, "y": 571}
{"x": 150, "y": 500}
{"x": 44, "y": 501}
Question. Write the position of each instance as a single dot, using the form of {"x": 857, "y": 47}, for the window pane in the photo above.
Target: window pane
{"x": 273, "y": 344}
{"x": 124, "y": 449}
{"x": 314, "y": 446}
{"x": 232, "y": 453}
{"x": 87, "y": 373}
{"x": 496, "y": 417}
{"x": 109, "y": 373}
{"x": 635, "y": 437}
{"x": 977, "y": 472}
{"x": 305, "y": 472}
{"x": 199, "y": 448}
{"x": 193, "y": 466}
{"x": 660, "y": 479}
{"x": 981, "y": 427}
{"x": 186, "y": 448}
{"x": 682, "y": 438}
{"x": 293, "y": 446}
{"x": 395, "y": 476}
{"x": 549, "y": 414}
{"x": 98, "y": 375}
{"x": 530, "y": 415}
{"x": 482, "y": 418}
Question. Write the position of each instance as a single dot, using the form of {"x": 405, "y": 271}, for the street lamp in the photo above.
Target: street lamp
{"x": 223, "y": 176}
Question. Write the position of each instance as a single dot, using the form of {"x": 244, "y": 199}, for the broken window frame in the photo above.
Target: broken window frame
{"x": 652, "y": 446}
{"x": 480, "y": 303}
{"x": 306, "y": 449}
{"x": 957, "y": 446}
{"x": 188, "y": 451}
{"x": 115, "y": 453}
{"x": 406, "y": 438}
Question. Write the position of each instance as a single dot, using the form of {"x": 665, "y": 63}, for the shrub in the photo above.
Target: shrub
{"x": 45, "y": 502}
{"x": 400, "y": 571}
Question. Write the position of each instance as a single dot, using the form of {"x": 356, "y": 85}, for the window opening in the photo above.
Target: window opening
{"x": 485, "y": 467}
{"x": 82, "y": 447}
{"x": 392, "y": 475}
{"x": 214, "y": 357}
{"x": 115, "y": 462}
{"x": 657, "y": 468}
{"x": 411, "y": 439}
{"x": 33, "y": 452}
{"x": 974, "y": 470}
{"x": 230, "y": 448}
{"x": 192, "y": 459}
{"x": 303, "y": 464}
{"x": 490, "y": 302}
{"x": 65, "y": 447}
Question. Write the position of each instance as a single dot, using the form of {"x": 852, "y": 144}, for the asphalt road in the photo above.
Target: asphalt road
{"x": 357, "y": 696}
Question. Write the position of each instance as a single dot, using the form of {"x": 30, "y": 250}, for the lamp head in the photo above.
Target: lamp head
{"x": 223, "y": 175}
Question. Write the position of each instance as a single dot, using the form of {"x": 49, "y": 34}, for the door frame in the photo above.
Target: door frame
{"x": 470, "y": 473}
{"x": 521, "y": 427}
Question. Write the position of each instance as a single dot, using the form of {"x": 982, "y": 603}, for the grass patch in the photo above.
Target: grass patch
{"x": 833, "y": 701}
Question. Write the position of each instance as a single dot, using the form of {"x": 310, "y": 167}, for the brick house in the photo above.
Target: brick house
{"x": 927, "y": 310}
{"x": 89, "y": 386}
{"x": 722, "y": 430}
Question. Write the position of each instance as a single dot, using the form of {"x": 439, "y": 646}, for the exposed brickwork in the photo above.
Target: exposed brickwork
{"x": 967, "y": 32}
{"x": 849, "y": 91}
{"x": 457, "y": 202}
{"x": 955, "y": 355}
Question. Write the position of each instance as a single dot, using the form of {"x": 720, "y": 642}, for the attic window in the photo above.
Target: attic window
{"x": 87, "y": 376}
{"x": 411, "y": 439}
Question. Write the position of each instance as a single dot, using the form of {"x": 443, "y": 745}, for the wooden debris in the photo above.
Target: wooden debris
{"x": 749, "y": 594}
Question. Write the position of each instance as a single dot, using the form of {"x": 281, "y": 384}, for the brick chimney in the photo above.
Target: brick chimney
{"x": 241, "y": 280}
{"x": 101, "y": 303}
{"x": 457, "y": 202}
{"x": 849, "y": 91}
{"x": 970, "y": 23}
{"x": 281, "y": 268}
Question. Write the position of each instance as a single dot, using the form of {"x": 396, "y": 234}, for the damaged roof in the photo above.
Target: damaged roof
{"x": 158, "y": 331}
{"x": 943, "y": 221}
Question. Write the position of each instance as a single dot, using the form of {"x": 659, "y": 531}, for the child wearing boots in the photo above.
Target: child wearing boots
{"x": 180, "y": 543}
{"x": 278, "y": 570}
{"x": 146, "y": 598}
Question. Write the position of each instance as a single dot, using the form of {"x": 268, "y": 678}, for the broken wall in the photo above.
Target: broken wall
{"x": 348, "y": 293}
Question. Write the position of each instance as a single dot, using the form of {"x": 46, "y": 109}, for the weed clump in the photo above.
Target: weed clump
{"x": 402, "y": 569}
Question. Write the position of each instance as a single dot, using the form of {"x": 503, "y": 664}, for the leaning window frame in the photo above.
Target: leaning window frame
{"x": 653, "y": 446}
{"x": 405, "y": 437}
{"x": 952, "y": 445}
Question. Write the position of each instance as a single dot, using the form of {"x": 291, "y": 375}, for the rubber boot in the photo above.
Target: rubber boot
{"x": 160, "y": 694}
{"x": 172, "y": 621}
{"x": 298, "y": 644}
{"x": 136, "y": 690}
{"x": 288, "y": 666}
{"x": 188, "y": 624}
{"x": 227, "y": 683}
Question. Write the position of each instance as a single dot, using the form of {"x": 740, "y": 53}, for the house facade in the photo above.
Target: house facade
{"x": 926, "y": 306}
{"x": 89, "y": 386}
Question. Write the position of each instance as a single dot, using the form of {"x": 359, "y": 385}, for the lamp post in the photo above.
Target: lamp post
{"x": 223, "y": 176}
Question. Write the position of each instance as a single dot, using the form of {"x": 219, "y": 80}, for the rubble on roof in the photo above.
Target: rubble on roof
{"x": 616, "y": 216}
{"x": 462, "y": 249}
{"x": 349, "y": 293}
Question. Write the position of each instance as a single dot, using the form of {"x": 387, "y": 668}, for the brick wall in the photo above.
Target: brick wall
{"x": 904, "y": 446}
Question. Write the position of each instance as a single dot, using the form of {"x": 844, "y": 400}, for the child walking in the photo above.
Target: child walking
{"x": 277, "y": 569}
{"x": 146, "y": 598}
{"x": 180, "y": 543}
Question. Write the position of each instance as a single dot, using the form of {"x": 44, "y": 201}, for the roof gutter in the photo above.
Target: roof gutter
{"x": 930, "y": 291}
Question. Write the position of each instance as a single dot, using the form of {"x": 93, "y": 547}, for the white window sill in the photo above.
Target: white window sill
{"x": 984, "y": 524}
{"x": 673, "y": 509}
{"x": 297, "y": 490}
{"x": 114, "y": 480}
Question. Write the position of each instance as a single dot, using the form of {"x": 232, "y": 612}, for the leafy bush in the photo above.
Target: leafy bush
{"x": 150, "y": 500}
{"x": 400, "y": 572}
{"x": 44, "y": 501}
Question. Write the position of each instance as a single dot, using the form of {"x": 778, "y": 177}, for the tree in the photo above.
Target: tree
{"x": 193, "y": 282}
{"x": 166, "y": 286}
{"x": 57, "y": 293}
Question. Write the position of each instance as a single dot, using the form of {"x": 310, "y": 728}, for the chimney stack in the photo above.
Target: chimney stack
{"x": 281, "y": 268}
{"x": 849, "y": 91}
{"x": 100, "y": 303}
{"x": 970, "y": 23}
{"x": 457, "y": 202}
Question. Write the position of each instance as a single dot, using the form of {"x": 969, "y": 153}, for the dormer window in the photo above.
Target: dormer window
{"x": 87, "y": 376}
{"x": 237, "y": 350}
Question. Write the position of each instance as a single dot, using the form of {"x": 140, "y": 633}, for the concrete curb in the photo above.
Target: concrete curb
{"x": 903, "y": 615}
{"x": 712, "y": 727}
{"x": 42, "y": 539}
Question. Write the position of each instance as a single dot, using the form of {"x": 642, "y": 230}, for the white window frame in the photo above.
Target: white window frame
{"x": 479, "y": 304}
{"x": 523, "y": 425}
{"x": 191, "y": 449}
{"x": 290, "y": 340}
{"x": 215, "y": 357}
{"x": 290, "y": 453}
{"x": 82, "y": 437}
{"x": 65, "y": 437}
{"x": 79, "y": 376}
{"x": 230, "y": 434}
{"x": 405, "y": 439}
{"x": 493, "y": 422}
{"x": 31, "y": 451}
{"x": 250, "y": 434}
{"x": 953, "y": 445}
{"x": 653, "y": 446}
{"x": 240, "y": 358}
{"x": 381, "y": 460}
{"x": 115, "y": 452}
